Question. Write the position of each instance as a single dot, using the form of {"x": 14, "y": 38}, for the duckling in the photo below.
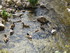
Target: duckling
{"x": 12, "y": 26}
{"x": 11, "y": 32}
{"x": 42, "y": 28}
{"x": 53, "y": 31}
{"x": 6, "y": 39}
{"x": 29, "y": 36}
{"x": 36, "y": 30}
{"x": 25, "y": 26}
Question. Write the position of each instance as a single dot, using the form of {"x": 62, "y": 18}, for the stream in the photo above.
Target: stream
{"x": 42, "y": 41}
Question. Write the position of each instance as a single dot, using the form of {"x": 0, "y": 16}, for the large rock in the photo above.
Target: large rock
{"x": 2, "y": 27}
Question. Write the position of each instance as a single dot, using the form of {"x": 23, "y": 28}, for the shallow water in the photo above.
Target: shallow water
{"x": 42, "y": 41}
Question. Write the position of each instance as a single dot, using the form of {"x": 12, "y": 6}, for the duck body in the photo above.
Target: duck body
{"x": 11, "y": 32}
{"x": 29, "y": 36}
{"x": 6, "y": 39}
{"x": 25, "y": 26}
{"x": 12, "y": 26}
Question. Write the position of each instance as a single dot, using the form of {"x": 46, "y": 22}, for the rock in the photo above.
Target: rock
{"x": 2, "y": 21}
{"x": 42, "y": 5}
{"x": 0, "y": 2}
{"x": 18, "y": 3}
{"x": 10, "y": 10}
{"x": 15, "y": 1}
{"x": 26, "y": 4}
{"x": 1, "y": 6}
{"x": 2, "y": 27}
{"x": 42, "y": 20}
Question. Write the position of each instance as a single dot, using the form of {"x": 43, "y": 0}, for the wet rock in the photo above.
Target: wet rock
{"x": 26, "y": 4}
{"x": 2, "y": 21}
{"x": 18, "y": 3}
{"x": 25, "y": 26}
{"x": 42, "y": 5}
{"x": 17, "y": 14}
{"x": 2, "y": 26}
{"x": 8, "y": 1}
{"x": 0, "y": 2}
{"x": 42, "y": 20}
{"x": 10, "y": 10}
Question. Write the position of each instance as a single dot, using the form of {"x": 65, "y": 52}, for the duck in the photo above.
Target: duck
{"x": 53, "y": 31}
{"x": 11, "y": 32}
{"x": 42, "y": 28}
{"x": 25, "y": 26}
{"x": 36, "y": 30}
{"x": 29, "y": 36}
{"x": 68, "y": 9}
{"x": 12, "y": 26}
{"x": 6, "y": 39}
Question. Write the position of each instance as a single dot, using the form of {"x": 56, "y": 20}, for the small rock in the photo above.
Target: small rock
{"x": 17, "y": 14}
{"x": 42, "y": 5}
{"x": 2, "y": 21}
{"x": 26, "y": 4}
{"x": 2, "y": 26}
{"x": 42, "y": 20}
{"x": 10, "y": 10}
{"x": 18, "y": 3}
